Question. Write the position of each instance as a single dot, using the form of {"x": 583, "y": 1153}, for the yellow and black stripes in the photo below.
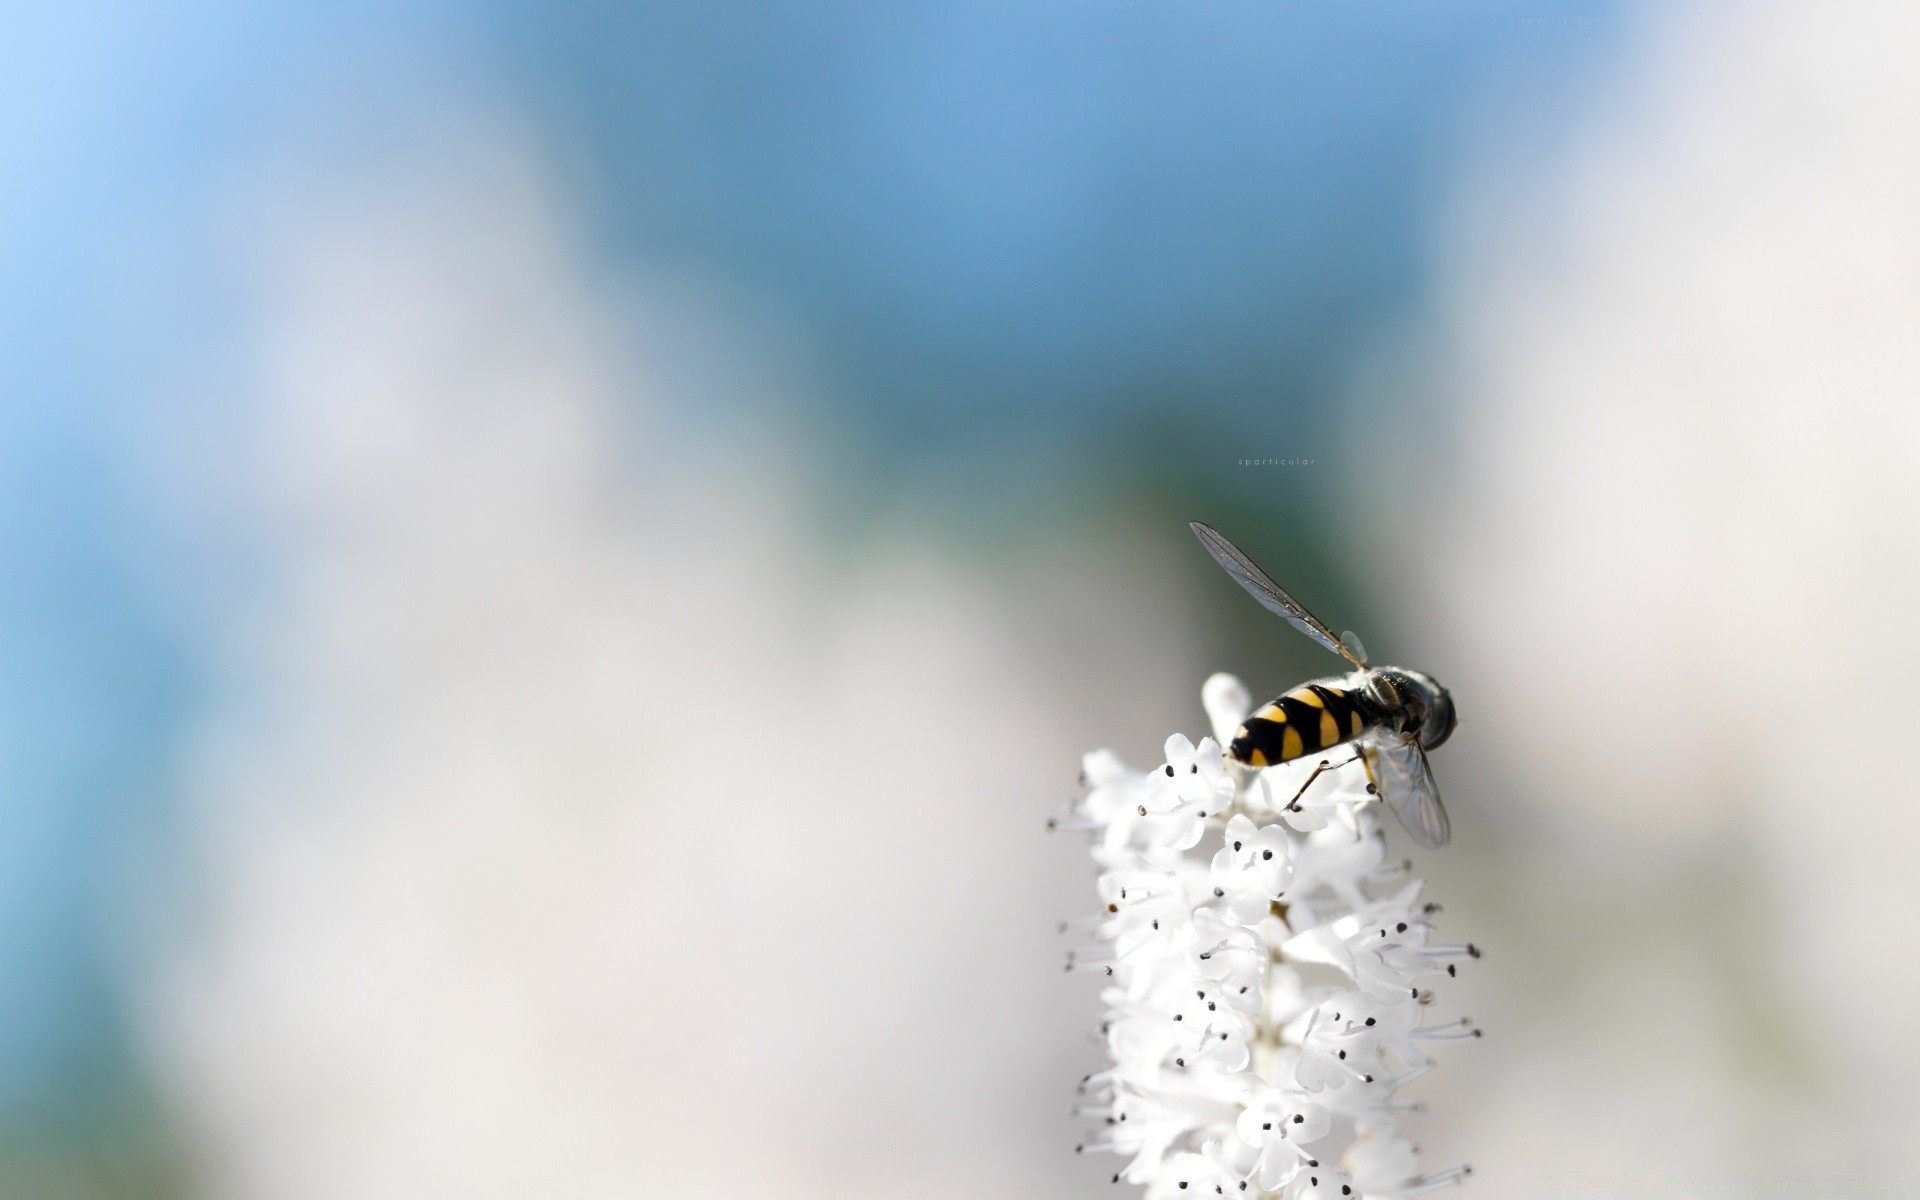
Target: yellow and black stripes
{"x": 1306, "y": 720}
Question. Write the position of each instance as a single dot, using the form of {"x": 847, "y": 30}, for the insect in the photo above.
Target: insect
{"x": 1392, "y": 715}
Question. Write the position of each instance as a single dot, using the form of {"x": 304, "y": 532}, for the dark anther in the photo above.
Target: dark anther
{"x": 1366, "y": 1079}
{"x": 1266, "y": 854}
{"x": 1343, "y": 1056}
{"x": 1345, "y": 1190}
{"x": 1170, "y": 776}
{"x": 1183, "y": 1185}
{"x": 1143, "y": 810}
{"x": 1400, "y": 928}
{"x": 1219, "y": 891}
{"x": 1179, "y": 1062}
{"x": 1194, "y": 769}
{"x": 1299, "y": 1119}
{"x": 1369, "y": 1020}
{"x": 1372, "y": 790}
{"x": 1156, "y": 922}
{"x": 1236, "y": 845}
{"x": 1476, "y": 1033}
{"x": 1210, "y": 1006}
{"x": 1473, "y": 950}
{"x": 1314, "y": 1180}
{"x": 1268, "y": 1125}
{"x": 1179, "y": 1016}
{"x": 1450, "y": 971}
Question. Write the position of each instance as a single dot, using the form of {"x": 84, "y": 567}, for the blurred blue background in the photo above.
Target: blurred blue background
{"x": 974, "y": 282}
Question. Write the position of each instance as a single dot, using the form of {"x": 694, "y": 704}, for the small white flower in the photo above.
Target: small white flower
{"x": 1115, "y": 796}
{"x": 1320, "y": 1185}
{"x": 1333, "y": 1057}
{"x": 1228, "y": 953}
{"x": 1193, "y": 1175}
{"x": 1342, "y": 861}
{"x": 1192, "y": 786}
{"x": 1387, "y": 1168}
{"x": 1230, "y": 1073}
{"x": 1252, "y": 868}
{"x": 1381, "y": 1164}
{"x": 1227, "y": 704}
{"x": 1281, "y": 1123}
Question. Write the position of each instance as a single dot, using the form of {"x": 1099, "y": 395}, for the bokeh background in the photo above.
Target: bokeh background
{"x": 554, "y": 560}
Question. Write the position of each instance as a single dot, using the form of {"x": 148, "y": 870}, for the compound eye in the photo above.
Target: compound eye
{"x": 1383, "y": 692}
{"x": 1440, "y": 722}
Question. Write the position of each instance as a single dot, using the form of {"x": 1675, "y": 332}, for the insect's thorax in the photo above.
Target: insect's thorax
{"x": 1306, "y": 720}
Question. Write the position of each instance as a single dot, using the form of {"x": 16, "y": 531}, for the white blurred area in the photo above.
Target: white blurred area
{"x": 567, "y": 823}
{"x": 561, "y": 825}
{"x": 1676, "y": 589}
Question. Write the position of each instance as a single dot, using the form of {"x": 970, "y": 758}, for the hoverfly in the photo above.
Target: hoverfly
{"x": 1392, "y": 715}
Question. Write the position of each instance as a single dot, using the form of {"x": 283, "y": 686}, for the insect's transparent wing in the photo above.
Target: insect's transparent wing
{"x": 1351, "y": 641}
{"x": 1405, "y": 781}
{"x": 1262, "y": 587}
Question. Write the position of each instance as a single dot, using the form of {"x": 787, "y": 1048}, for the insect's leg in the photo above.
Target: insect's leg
{"x": 1373, "y": 790}
{"x": 1373, "y": 784}
{"x": 1293, "y": 805}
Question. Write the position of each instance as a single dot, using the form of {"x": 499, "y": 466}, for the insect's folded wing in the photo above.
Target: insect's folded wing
{"x": 1405, "y": 780}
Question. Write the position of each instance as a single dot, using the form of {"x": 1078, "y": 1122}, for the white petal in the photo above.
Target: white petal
{"x": 1227, "y": 703}
{"x": 1103, "y": 767}
{"x": 1179, "y": 751}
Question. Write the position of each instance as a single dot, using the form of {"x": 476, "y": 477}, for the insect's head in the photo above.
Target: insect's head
{"x": 1414, "y": 701}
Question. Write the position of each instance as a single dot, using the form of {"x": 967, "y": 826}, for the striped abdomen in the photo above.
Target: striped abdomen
{"x": 1306, "y": 720}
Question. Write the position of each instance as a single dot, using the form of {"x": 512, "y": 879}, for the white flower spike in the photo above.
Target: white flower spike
{"x": 1239, "y": 1066}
